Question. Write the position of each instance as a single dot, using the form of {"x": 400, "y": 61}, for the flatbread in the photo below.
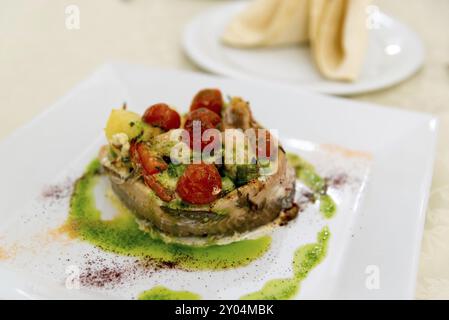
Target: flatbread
{"x": 340, "y": 38}
{"x": 269, "y": 23}
{"x": 335, "y": 29}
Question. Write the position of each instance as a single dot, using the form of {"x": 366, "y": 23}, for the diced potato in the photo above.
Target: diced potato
{"x": 130, "y": 123}
{"x": 123, "y": 121}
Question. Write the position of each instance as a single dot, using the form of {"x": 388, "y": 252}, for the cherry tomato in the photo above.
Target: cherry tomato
{"x": 200, "y": 184}
{"x": 162, "y": 116}
{"x": 151, "y": 164}
{"x": 159, "y": 190}
{"x": 133, "y": 153}
{"x": 208, "y": 98}
{"x": 143, "y": 156}
{"x": 208, "y": 120}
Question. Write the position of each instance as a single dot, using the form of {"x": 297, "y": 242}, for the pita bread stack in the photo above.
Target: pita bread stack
{"x": 335, "y": 29}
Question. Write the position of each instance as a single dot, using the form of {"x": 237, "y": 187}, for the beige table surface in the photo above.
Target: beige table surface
{"x": 40, "y": 60}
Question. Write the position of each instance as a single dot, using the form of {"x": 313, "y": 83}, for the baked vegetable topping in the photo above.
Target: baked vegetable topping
{"x": 207, "y": 199}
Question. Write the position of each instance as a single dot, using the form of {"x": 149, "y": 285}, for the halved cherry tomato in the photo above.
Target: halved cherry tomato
{"x": 200, "y": 184}
{"x": 208, "y": 98}
{"x": 207, "y": 119}
{"x": 162, "y": 116}
{"x": 163, "y": 193}
{"x": 150, "y": 164}
{"x": 135, "y": 158}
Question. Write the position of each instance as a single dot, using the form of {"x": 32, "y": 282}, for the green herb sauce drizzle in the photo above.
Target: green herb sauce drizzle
{"x": 121, "y": 235}
{"x": 305, "y": 259}
{"x": 163, "y": 293}
{"x": 305, "y": 172}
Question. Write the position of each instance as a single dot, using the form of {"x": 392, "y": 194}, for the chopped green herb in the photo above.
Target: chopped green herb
{"x": 227, "y": 185}
{"x": 175, "y": 170}
{"x": 246, "y": 173}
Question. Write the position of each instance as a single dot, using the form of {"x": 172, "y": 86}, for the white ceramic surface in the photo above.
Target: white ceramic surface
{"x": 394, "y": 53}
{"x": 379, "y": 223}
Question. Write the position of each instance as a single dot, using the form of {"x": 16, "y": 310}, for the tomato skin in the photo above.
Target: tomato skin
{"x": 200, "y": 184}
{"x": 135, "y": 158}
{"x": 208, "y": 119}
{"x": 159, "y": 189}
{"x": 162, "y": 116}
{"x": 208, "y": 98}
{"x": 150, "y": 163}
{"x": 142, "y": 156}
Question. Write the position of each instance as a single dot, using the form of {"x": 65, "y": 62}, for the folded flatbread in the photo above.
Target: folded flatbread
{"x": 335, "y": 29}
{"x": 269, "y": 23}
{"x": 339, "y": 37}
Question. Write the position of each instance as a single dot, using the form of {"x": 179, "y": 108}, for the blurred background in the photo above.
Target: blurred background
{"x": 41, "y": 59}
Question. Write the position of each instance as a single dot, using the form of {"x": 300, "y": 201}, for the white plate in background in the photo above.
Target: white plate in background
{"x": 394, "y": 53}
{"x": 383, "y": 231}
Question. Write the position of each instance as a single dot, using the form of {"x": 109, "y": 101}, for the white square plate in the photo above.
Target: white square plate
{"x": 377, "y": 237}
